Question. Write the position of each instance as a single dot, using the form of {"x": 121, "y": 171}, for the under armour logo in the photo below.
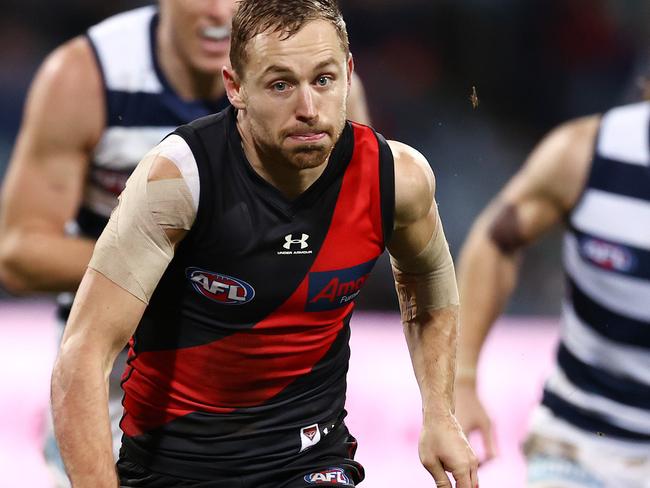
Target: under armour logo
{"x": 290, "y": 241}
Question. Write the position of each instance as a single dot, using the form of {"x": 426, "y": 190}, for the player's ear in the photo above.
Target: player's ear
{"x": 233, "y": 86}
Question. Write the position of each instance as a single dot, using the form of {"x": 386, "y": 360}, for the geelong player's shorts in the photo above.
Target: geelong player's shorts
{"x": 560, "y": 455}
{"x": 328, "y": 463}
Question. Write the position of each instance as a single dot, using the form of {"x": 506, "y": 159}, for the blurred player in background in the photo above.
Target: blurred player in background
{"x": 591, "y": 174}
{"x": 96, "y": 106}
{"x": 232, "y": 262}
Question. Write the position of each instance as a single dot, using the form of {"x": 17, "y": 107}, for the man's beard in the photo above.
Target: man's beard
{"x": 307, "y": 156}
{"x": 299, "y": 156}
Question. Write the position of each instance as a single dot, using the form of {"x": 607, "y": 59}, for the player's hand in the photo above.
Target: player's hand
{"x": 444, "y": 448}
{"x": 472, "y": 416}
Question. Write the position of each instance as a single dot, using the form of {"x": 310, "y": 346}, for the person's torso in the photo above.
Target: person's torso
{"x": 602, "y": 382}
{"x": 241, "y": 356}
{"x": 141, "y": 109}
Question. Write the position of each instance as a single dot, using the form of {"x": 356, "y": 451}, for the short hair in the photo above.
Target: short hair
{"x": 287, "y": 17}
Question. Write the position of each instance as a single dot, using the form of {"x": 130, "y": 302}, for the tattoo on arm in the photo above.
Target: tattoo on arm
{"x": 505, "y": 231}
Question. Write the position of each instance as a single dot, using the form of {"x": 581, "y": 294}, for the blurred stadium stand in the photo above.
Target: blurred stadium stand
{"x": 534, "y": 63}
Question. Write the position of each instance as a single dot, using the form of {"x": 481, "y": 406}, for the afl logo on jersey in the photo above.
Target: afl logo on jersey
{"x": 219, "y": 287}
{"x": 607, "y": 255}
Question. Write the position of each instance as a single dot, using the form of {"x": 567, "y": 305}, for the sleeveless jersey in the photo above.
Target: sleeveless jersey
{"x": 240, "y": 360}
{"x": 141, "y": 109}
{"x": 602, "y": 382}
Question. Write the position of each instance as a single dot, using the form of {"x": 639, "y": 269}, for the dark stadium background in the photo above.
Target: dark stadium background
{"x": 534, "y": 63}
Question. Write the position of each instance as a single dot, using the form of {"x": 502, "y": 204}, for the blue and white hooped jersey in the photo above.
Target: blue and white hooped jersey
{"x": 602, "y": 382}
{"x": 141, "y": 108}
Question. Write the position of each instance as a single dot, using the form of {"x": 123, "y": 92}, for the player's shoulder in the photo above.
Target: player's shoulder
{"x": 414, "y": 183}
{"x": 581, "y": 130}
{"x": 70, "y": 67}
{"x": 66, "y": 97}
{"x": 174, "y": 149}
{"x": 566, "y": 146}
{"x": 409, "y": 160}
{"x": 570, "y": 146}
{"x": 559, "y": 165}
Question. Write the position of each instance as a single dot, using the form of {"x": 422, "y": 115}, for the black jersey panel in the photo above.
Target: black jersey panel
{"x": 386, "y": 187}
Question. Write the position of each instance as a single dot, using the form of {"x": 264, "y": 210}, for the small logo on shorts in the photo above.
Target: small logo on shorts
{"x": 309, "y": 436}
{"x": 330, "y": 475}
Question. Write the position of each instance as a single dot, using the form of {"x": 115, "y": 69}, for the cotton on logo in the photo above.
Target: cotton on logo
{"x": 290, "y": 241}
{"x": 331, "y": 475}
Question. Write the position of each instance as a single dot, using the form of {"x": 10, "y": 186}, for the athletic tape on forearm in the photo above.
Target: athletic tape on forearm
{"x": 134, "y": 251}
{"x": 426, "y": 281}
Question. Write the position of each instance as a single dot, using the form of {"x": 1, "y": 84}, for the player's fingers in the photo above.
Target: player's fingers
{"x": 463, "y": 479}
{"x": 466, "y": 473}
{"x": 438, "y": 473}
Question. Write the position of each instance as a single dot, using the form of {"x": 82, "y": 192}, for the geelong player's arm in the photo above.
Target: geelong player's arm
{"x": 428, "y": 298}
{"x": 536, "y": 199}
{"x": 155, "y": 211}
{"x": 62, "y": 122}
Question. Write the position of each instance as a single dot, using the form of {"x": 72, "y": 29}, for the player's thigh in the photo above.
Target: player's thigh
{"x": 550, "y": 472}
{"x": 553, "y": 463}
{"x": 133, "y": 475}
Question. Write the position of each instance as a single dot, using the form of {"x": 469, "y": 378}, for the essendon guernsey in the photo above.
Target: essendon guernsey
{"x": 244, "y": 345}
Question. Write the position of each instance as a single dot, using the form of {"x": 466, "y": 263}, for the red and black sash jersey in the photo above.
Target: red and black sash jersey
{"x": 245, "y": 340}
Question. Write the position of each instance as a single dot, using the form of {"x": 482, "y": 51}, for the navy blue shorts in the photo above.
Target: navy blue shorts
{"x": 329, "y": 463}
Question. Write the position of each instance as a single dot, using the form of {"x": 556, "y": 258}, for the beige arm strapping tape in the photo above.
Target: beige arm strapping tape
{"x": 426, "y": 281}
{"x": 134, "y": 251}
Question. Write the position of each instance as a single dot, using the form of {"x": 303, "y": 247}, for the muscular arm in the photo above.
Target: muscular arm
{"x": 429, "y": 303}
{"x": 536, "y": 199}
{"x": 63, "y": 120}
{"x": 103, "y": 318}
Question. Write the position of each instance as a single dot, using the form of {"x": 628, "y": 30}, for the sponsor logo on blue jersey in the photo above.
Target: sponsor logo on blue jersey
{"x": 328, "y": 476}
{"x": 607, "y": 255}
{"x": 329, "y": 290}
{"x": 219, "y": 287}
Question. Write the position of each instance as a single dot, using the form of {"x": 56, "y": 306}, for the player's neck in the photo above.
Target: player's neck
{"x": 187, "y": 82}
{"x": 288, "y": 179}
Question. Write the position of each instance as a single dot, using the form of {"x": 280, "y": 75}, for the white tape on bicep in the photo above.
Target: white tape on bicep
{"x": 134, "y": 250}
